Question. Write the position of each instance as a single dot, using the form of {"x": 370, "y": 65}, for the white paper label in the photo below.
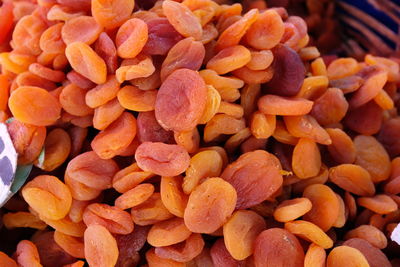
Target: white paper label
{"x": 8, "y": 164}
{"x": 395, "y": 236}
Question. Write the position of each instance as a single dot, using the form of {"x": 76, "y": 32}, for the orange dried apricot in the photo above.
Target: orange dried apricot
{"x": 210, "y": 205}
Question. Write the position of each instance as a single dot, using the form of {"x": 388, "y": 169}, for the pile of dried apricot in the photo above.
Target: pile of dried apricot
{"x": 193, "y": 133}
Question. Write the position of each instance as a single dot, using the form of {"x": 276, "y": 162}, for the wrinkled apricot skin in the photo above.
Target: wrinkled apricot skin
{"x": 276, "y": 105}
{"x": 182, "y": 19}
{"x": 28, "y": 140}
{"x": 168, "y": 233}
{"x": 114, "y": 219}
{"x": 220, "y": 255}
{"x": 277, "y": 247}
{"x": 87, "y": 174}
{"x": 6, "y": 12}
{"x": 135, "y": 196}
{"x": 210, "y": 205}
{"x": 307, "y": 127}
{"x": 373, "y": 157}
{"x": 57, "y": 149}
{"x": 162, "y": 159}
{"x": 149, "y": 130}
{"x": 346, "y": 255}
{"x": 331, "y": 107}
{"x": 292, "y": 209}
{"x": 156, "y": 261}
{"x": 48, "y": 189}
{"x": 86, "y": 62}
{"x": 197, "y": 133}
{"x": 255, "y": 176}
{"x": 184, "y": 251}
{"x": 34, "y": 105}
{"x": 266, "y": 31}
{"x": 100, "y": 246}
{"x": 161, "y": 36}
{"x": 231, "y": 35}
{"x": 81, "y": 29}
{"x": 352, "y": 178}
{"x": 172, "y": 195}
{"x": 242, "y": 228}
{"x": 373, "y": 255}
{"x": 229, "y": 59}
{"x": 309, "y": 232}
{"x": 204, "y": 164}
{"x": 306, "y": 160}
{"x": 72, "y": 100}
{"x": 74, "y": 246}
{"x": 342, "y": 149}
{"x": 288, "y": 72}
{"x": 151, "y": 211}
{"x": 369, "y": 233}
{"x": 131, "y": 38}
{"x": 111, "y": 14}
{"x": 180, "y": 100}
{"x": 315, "y": 256}
{"x": 108, "y": 143}
{"x": 184, "y": 54}
{"x": 27, "y": 254}
{"x": 325, "y": 206}
{"x": 22, "y": 219}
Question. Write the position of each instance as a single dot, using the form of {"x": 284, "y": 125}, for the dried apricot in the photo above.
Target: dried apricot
{"x": 277, "y": 247}
{"x": 255, "y": 176}
{"x": 210, "y": 205}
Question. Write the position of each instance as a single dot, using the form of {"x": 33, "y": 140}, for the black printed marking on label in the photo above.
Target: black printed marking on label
{"x": 2, "y": 146}
{"x": 6, "y": 171}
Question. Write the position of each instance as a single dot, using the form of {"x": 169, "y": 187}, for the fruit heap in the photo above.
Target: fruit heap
{"x": 194, "y": 133}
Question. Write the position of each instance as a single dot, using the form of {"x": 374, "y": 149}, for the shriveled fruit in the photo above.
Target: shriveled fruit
{"x": 34, "y": 105}
{"x": 49, "y": 196}
{"x": 352, "y": 178}
{"x": 168, "y": 232}
{"x": 85, "y": 61}
{"x": 184, "y": 251}
{"x": 277, "y": 105}
{"x": 288, "y": 71}
{"x": 309, "y": 232}
{"x": 368, "y": 233}
{"x": 100, "y": 246}
{"x": 292, "y": 209}
{"x": 114, "y": 219}
{"x": 255, "y": 176}
{"x": 266, "y": 31}
{"x": 277, "y": 247}
{"x": 111, "y": 14}
{"x": 240, "y": 231}
{"x": 108, "y": 142}
{"x": 372, "y": 156}
{"x": 342, "y": 149}
{"x": 182, "y": 19}
{"x": 381, "y": 204}
{"x": 344, "y": 255}
{"x": 306, "y": 160}
{"x": 210, "y": 205}
{"x": 172, "y": 195}
{"x": 204, "y": 164}
{"x": 181, "y": 100}
{"x": 151, "y": 211}
{"x": 374, "y": 256}
{"x": 315, "y": 256}
{"x": 162, "y": 159}
{"x": 325, "y": 206}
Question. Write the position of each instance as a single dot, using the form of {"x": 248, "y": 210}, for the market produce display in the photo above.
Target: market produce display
{"x": 191, "y": 133}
